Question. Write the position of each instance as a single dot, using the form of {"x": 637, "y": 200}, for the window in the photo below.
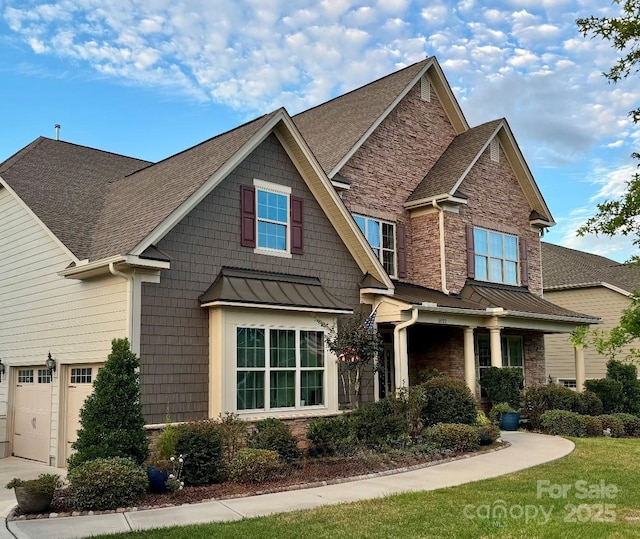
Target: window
{"x": 25, "y": 376}
{"x": 81, "y": 375}
{"x": 512, "y": 352}
{"x": 273, "y": 220}
{"x": 381, "y": 237}
{"x": 496, "y": 256}
{"x": 44, "y": 376}
{"x": 568, "y": 383}
{"x": 279, "y": 368}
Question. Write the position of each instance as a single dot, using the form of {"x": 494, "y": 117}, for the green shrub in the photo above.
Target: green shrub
{"x": 502, "y": 385}
{"x": 593, "y": 425}
{"x": 331, "y": 436}
{"x": 613, "y": 425}
{"x": 274, "y": 435}
{"x": 631, "y": 424}
{"x": 103, "y": 484}
{"x": 253, "y": 465}
{"x": 202, "y": 444}
{"x": 377, "y": 425}
{"x": 234, "y": 433}
{"x": 167, "y": 440}
{"x": 539, "y": 399}
{"x": 111, "y": 418}
{"x": 609, "y": 392}
{"x": 447, "y": 400}
{"x": 627, "y": 375}
{"x": 563, "y": 423}
{"x": 488, "y": 434}
{"x": 45, "y": 484}
{"x": 453, "y": 436}
{"x": 590, "y": 403}
{"x": 407, "y": 403}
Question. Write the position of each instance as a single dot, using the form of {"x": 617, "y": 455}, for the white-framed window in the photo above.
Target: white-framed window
{"x": 272, "y": 217}
{"x": 381, "y": 236}
{"x": 568, "y": 383}
{"x": 279, "y": 369}
{"x": 496, "y": 256}
{"x": 511, "y": 347}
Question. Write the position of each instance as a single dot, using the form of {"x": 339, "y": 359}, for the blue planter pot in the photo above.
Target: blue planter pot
{"x": 157, "y": 480}
{"x": 509, "y": 420}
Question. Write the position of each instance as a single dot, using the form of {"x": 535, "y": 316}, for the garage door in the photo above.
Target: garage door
{"x": 79, "y": 387}
{"x": 32, "y": 418}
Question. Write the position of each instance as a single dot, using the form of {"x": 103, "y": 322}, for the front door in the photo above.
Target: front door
{"x": 387, "y": 371}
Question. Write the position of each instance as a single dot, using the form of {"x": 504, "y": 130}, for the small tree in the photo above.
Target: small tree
{"x": 356, "y": 344}
{"x": 111, "y": 418}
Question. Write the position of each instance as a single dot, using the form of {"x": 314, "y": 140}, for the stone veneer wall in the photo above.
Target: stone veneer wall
{"x": 391, "y": 163}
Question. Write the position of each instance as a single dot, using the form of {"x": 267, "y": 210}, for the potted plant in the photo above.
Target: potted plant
{"x": 35, "y": 495}
{"x": 506, "y": 416}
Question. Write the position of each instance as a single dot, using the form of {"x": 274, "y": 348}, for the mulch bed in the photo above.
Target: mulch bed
{"x": 310, "y": 473}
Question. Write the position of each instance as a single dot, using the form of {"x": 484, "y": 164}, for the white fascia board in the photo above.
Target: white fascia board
{"x": 377, "y": 291}
{"x": 554, "y": 317}
{"x": 326, "y": 182}
{"x": 55, "y": 238}
{"x": 134, "y": 261}
{"x": 341, "y": 185}
{"x": 440, "y": 199}
{"x": 181, "y": 211}
{"x": 594, "y": 284}
{"x": 275, "y": 307}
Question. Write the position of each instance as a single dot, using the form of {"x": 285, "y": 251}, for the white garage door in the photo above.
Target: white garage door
{"x": 79, "y": 387}
{"x": 32, "y": 418}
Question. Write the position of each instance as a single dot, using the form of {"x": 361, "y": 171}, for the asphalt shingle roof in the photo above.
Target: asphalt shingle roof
{"x": 566, "y": 268}
{"x": 333, "y": 128}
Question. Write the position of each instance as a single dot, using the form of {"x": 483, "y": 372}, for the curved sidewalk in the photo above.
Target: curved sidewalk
{"x": 526, "y": 450}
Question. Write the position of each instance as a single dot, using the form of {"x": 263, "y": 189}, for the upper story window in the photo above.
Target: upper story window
{"x": 496, "y": 256}
{"x": 381, "y": 236}
{"x": 271, "y": 219}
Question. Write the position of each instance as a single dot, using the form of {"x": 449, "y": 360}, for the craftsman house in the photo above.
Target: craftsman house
{"x": 222, "y": 263}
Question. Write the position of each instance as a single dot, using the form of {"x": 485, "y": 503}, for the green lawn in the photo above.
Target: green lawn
{"x": 461, "y": 512}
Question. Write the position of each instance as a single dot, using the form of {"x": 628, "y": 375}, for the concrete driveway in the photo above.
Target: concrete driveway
{"x": 24, "y": 469}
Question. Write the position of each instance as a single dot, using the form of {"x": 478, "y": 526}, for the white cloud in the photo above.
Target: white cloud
{"x": 611, "y": 183}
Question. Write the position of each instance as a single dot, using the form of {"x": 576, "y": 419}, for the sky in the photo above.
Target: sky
{"x": 149, "y": 79}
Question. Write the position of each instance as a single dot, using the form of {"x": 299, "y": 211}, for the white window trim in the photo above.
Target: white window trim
{"x": 503, "y": 259}
{"x": 381, "y": 248}
{"x": 261, "y": 185}
{"x": 267, "y": 370}
{"x": 503, "y": 347}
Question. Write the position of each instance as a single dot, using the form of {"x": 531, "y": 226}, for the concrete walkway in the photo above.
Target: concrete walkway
{"x": 526, "y": 450}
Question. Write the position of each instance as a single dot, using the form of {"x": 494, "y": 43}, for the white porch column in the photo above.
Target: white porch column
{"x": 496, "y": 347}
{"x": 401, "y": 358}
{"x": 580, "y": 373}
{"x": 470, "y": 360}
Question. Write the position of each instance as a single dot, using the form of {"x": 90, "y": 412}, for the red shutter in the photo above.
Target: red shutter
{"x": 401, "y": 246}
{"x": 471, "y": 254}
{"x": 248, "y": 216}
{"x": 524, "y": 264}
{"x": 297, "y": 230}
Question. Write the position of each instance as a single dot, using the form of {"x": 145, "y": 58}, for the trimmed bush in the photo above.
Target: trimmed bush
{"x": 612, "y": 424}
{"x": 609, "y": 392}
{"x": 274, "y": 435}
{"x": 234, "y": 432}
{"x": 631, "y": 424}
{"x": 564, "y": 423}
{"x": 253, "y": 465}
{"x": 377, "y": 425}
{"x": 447, "y": 400}
{"x": 593, "y": 425}
{"x": 488, "y": 434}
{"x": 104, "y": 484}
{"x": 202, "y": 443}
{"x": 590, "y": 403}
{"x": 540, "y": 399}
{"x": 455, "y": 437}
{"x": 331, "y": 436}
{"x": 111, "y": 418}
{"x": 627, "y": 375}
{"x": 502, "y": 385}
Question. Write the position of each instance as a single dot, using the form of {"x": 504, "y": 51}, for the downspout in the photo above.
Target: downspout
{"x": 443, "y": 266}
{"x": 400, "y": 350}
{"x": 130, "y": 285}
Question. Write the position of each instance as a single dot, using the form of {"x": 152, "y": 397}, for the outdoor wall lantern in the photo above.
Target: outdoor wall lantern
{"x": 2, "y": 369}
{"x": 50, "y": 363}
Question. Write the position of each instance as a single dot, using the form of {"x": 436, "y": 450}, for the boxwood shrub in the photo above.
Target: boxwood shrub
{"x": 593, "y": 424}
{"x": 378, "y": 425}
{"x": 109, "y": 483}
{"x": 331, "y": 436}
{"x": 540, "y": 399}
{"x": 612, "y": 424}
{"x": 275, "y": 435}
{"x": 631, "y": 424}
{"x": 253, "y": 465}
{"x": 563, "y": 422}
{"x": 203, "y": 444}
{"x": 488, "y": 434}
{"x": 453, "y": 436}
{"x": 447, "y": 400}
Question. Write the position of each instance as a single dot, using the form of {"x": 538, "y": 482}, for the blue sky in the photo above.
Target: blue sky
{"x": 149, "y": 79}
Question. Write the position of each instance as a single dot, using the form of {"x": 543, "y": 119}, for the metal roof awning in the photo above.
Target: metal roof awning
{"x": 239, "y": 287}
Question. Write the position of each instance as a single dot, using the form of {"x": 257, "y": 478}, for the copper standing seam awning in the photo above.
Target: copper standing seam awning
{"x": 242, "y": 287}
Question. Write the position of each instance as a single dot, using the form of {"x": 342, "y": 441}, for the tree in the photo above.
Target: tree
{"x": 611, "y": 343}
{"x": 111, "y": 418}
{"x": 620, "y": 215}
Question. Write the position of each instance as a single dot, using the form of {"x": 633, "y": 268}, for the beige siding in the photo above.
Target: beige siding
{"x": 597, "y": 301}
{"x": 42, "y": 312}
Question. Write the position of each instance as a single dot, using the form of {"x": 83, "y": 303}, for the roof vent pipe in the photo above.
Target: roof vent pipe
{"x": 57, "y": 126}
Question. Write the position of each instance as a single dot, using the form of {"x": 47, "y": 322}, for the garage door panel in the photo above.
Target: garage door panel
{"x": 32, "y": 417}
{"x": 79, "y": 387}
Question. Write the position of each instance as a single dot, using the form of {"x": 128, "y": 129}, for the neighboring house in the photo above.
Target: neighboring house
{"x": 222, "y": 263}
{"x": 587, "y": 283}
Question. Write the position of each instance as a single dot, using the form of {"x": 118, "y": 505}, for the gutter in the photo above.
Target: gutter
{"x": 443, "y": 267}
